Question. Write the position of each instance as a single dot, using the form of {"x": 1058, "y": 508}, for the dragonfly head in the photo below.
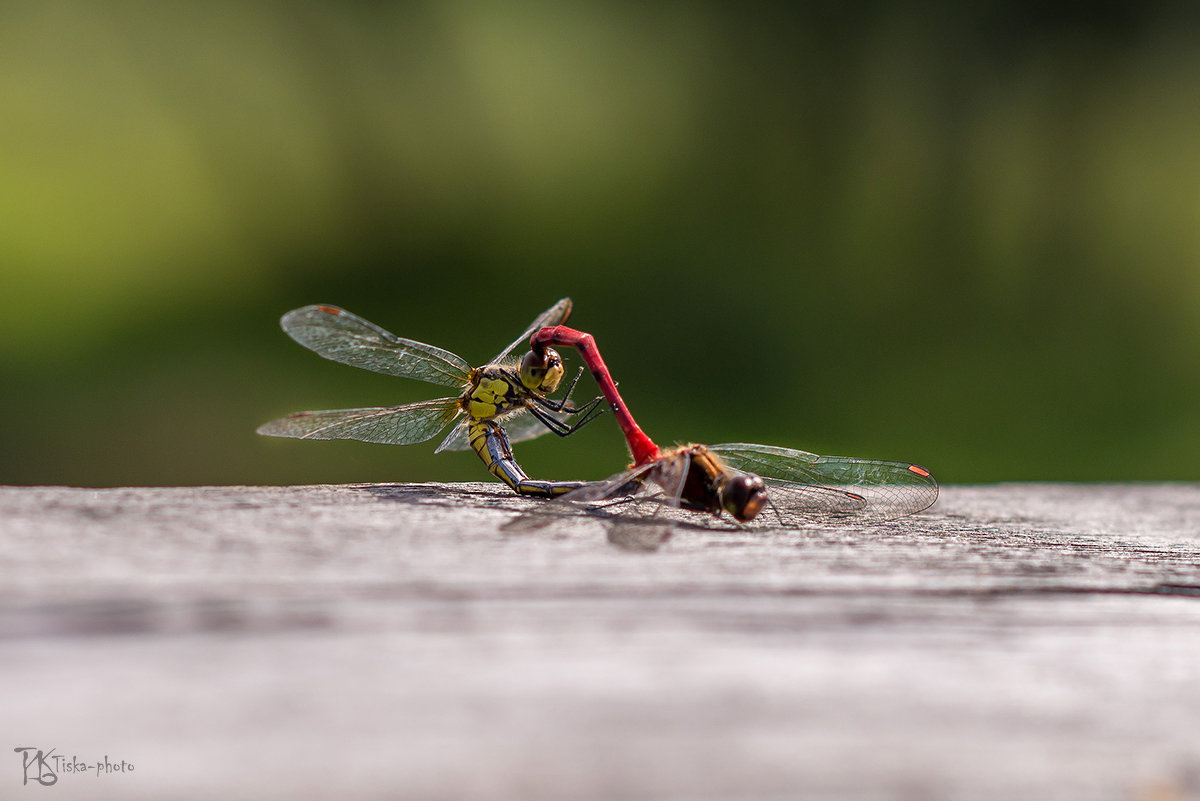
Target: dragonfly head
{"x": 742, "y": 495}
{"x": 542, "y": 372}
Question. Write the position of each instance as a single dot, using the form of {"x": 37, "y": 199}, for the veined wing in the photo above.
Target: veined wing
{"x": 627, "y": 483}
{"x": 520, "y": 426}
{"x": 667, "y": 474}
{"x": 555, "y": 315}
{"x": 651, "y": 488}
{"x": 839, "y": 484}
{"x": 340, "y": 336}
{"x": 391, "y": 425}
{"x": 662, "y": 480}
{"x": 458, "y": 439}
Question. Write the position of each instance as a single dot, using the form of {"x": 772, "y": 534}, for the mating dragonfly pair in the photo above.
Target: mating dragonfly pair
{"x": 508, "y": 400}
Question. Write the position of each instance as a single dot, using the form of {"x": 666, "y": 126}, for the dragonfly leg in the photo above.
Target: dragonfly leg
{"x": 565, "y": 404}
{"x": 490, "y": 442}
{"x": 590, "y": 411}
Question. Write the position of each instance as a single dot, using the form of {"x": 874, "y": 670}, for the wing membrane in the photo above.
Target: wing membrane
{"x": 658, "y": 484}
{"x": 457, "y": 439}
{"x": 340, "y": 336}
{"x": 627, "y": 483}
{"x": 839, "y": 484}
{"x": 555, "y": 315}
{"x": 392, "y": 425}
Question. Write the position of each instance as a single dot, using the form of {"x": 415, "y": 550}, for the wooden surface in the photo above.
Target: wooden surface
{"x": 1034, "y": 641}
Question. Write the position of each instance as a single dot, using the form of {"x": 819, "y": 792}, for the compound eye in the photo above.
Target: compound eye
{"x": 743, "y": 496}
{"x": 542, "y": 372}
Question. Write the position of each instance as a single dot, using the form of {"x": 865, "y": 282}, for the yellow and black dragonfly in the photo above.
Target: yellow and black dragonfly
{"x": 504, "y": 401}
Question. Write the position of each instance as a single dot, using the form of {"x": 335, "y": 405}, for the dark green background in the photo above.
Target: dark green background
{"x": 966, "y": 235}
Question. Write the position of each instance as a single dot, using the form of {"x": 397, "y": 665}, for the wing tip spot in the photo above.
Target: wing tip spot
{"x": 920, "y": 471}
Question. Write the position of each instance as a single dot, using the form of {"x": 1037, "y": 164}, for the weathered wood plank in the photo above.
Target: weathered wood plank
{"x": 391, "y": 642}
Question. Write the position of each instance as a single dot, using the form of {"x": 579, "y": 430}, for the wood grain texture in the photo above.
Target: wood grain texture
{"x": 389, "y": 641}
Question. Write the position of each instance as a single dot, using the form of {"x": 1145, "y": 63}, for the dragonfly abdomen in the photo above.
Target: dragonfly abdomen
{"x": 489, "y": 441}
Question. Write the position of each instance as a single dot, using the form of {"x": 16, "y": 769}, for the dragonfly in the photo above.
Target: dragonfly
{"x": 504, "y": 401}
{"x": 737, "y": 479}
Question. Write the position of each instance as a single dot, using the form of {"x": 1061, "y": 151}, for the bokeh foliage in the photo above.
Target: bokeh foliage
{"x": 961, "y": 234}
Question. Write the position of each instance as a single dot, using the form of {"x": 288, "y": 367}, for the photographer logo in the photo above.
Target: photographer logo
{"x": 44, "y": 767}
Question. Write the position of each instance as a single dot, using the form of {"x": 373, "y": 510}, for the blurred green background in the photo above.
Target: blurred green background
{"x": 966, "y": 235}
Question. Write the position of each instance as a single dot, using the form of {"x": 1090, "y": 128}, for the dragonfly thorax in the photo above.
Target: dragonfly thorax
{"x": 492, "y": 391}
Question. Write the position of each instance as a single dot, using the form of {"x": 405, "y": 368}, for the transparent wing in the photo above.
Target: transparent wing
{"x": 392, "y": 425}
{"x": 627, "y": 483}
{"x": 667, "y": 475}
{"x": 670, "y": 474}
{"x": 457, "y": 439}
{"x": 659, "y": 483}
{"x": 795, "y": 505}
{"x": 801, "y": 481}
{"x": 555, "y": 315}
{"x": 340, "y": 336}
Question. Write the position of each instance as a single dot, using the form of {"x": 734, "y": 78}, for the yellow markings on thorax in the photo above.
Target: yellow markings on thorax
{"x": 489, "y": 395}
